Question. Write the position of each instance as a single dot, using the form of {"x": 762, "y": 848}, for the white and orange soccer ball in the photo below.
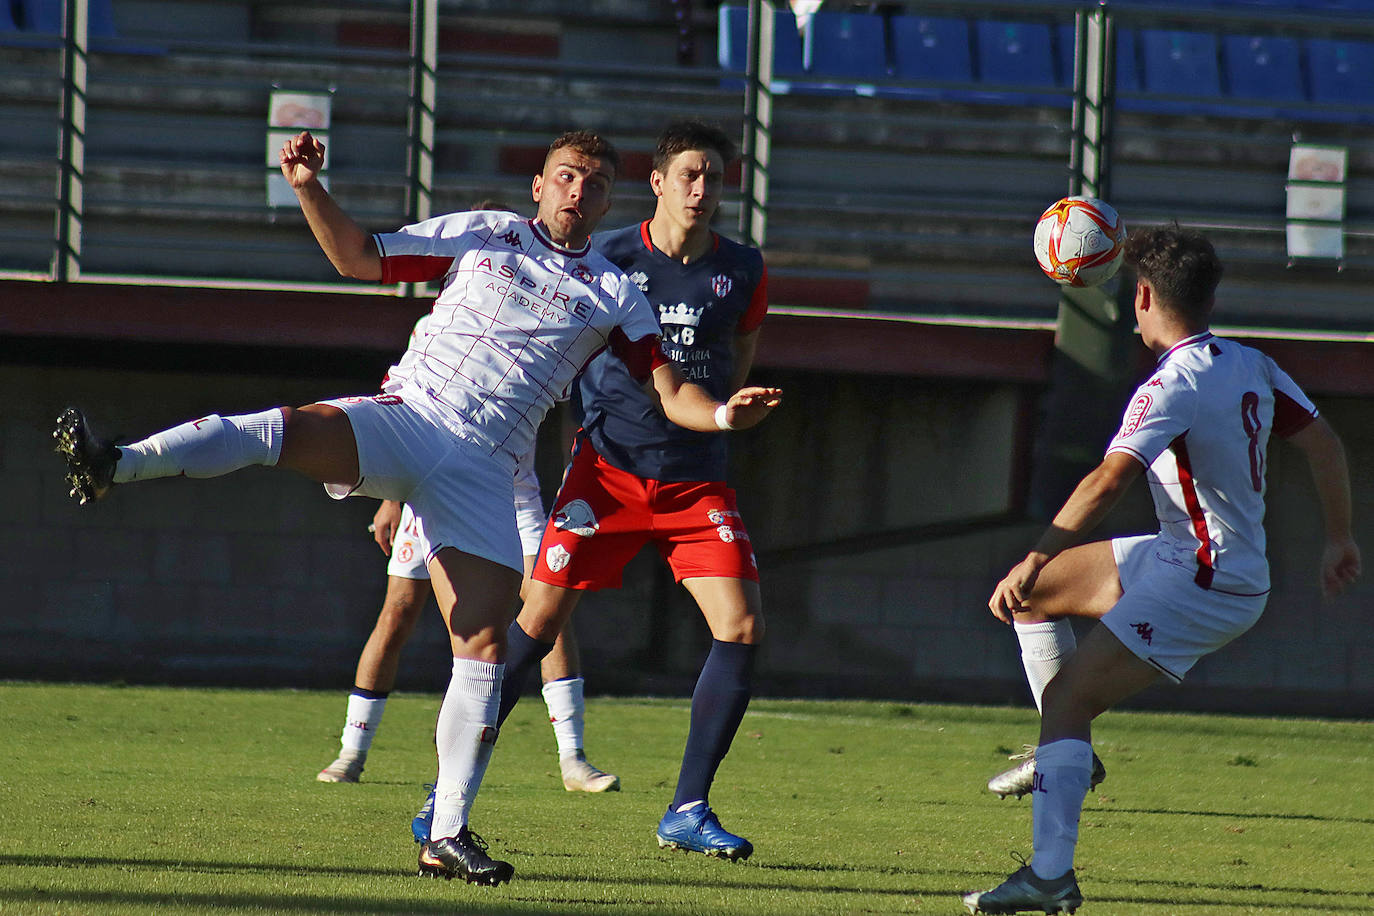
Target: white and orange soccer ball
{"x": 1080, "y": 241}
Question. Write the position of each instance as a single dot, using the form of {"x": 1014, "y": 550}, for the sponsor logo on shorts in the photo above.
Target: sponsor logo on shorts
{"x": 1135, "y": 414}
{"x": 721, "y": 516}
{"x": 578, "y": 518}
{"x": 1145, "y": 632}
{"x": 556, "y": 558}
{"x": 730, "y": 535}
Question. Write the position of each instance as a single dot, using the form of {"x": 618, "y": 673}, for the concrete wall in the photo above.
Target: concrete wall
{"x": 259, "y": 578}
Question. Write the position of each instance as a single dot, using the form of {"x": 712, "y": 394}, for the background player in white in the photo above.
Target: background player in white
{"x": 400, "y": 535}
{"x": 1198, "y": 427}
{"x": 524, "y": 305}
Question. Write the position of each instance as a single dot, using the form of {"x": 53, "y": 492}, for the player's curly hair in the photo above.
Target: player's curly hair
{"x": 590, "y": 144}
{"x": 1180, "y": 264}
{"x": 681, "y": 136}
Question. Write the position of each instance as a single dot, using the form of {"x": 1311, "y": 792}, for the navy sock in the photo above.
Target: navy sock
{"x": 370, "y": 694}
{"x": 523, "y": 655}
{"x": 718, "y": 704}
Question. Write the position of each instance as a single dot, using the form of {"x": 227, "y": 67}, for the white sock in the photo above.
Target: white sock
{"x": 1044, "y": 649}
{"x": 465, "y": 736}
{"x": 566, "y": 712}
{"x": 1062, "y": 771}
{"x": 208, "y": 447}
{"x": 364, "y": 717}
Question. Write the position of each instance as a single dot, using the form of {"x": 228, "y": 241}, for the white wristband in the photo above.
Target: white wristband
{"x": 721, "y": 422}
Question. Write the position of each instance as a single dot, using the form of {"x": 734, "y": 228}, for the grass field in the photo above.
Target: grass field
{"x": 142, "y": 800}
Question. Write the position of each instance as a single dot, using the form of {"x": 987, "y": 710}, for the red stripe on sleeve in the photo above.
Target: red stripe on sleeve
{"x": 1199, "y": 521}
{"x": 414, "y": 268}
{"x": 758, "y": 306}
{"x": 1290, "y": 417}
{"x": 641, "y": 356}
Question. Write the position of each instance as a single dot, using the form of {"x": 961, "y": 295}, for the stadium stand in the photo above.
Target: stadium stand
{"x": 926, "y": 48}
{"x": 1342, "y": 73}
{"x": 1020, "y": 55}
{"x": 1263, "y": 67}
{"x": 45, "y": 16}
{"x": 844, "y": 52}
{"x": 733, "y": 45}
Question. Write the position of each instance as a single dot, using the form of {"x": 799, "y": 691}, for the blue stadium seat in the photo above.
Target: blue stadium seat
{"x": 1183, "y": 64}
{"x": 1015, "y": 53}
{"x": 1262, "y": 67}
{"x": 45, "y": 16}
{"x": 931, "y": 49}
{"x": 1127, "y": 67}
{"x": 732, "y": 44}
{"x": 846, "y": 45}
{"x": 1342, "y": 73}
{"x": 7, "y": 23}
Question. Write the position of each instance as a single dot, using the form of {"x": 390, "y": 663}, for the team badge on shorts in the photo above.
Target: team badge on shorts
{"x": 556, "y": 558}
{"x": 578, "y": 518}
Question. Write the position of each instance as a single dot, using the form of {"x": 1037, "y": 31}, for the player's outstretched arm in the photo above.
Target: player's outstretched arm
{"x": 351, "y": 250}
{"x": 691, "y": 406}
{"x": 1085, "y": 508}
{"x": 1326, "y": 456}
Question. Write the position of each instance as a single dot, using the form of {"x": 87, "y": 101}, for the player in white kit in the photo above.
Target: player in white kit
{"x": 400, "y": 534}
{"x": 524, "y": 305}
{"x": 1198, "y": 427}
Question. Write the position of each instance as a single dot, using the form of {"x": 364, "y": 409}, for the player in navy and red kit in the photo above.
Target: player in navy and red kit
{"x": 636, "y": 477}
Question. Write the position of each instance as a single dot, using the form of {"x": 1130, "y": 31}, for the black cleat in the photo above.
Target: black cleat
{"x": 90, "y": 459}
{"x": 463, "y": 856}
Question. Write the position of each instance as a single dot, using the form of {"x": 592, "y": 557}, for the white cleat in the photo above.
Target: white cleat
{"x": 344, "y": 769}
{"x": 1019, "y": 779}
{"x": 581, "y": 776}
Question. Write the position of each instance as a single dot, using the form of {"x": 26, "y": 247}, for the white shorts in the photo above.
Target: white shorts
{"x": 464, "y": 493}
{"x": 1164, "y": 617}
{"x": 410, "y": 548}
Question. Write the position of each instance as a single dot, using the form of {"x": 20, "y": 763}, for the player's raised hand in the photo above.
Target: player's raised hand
{"x": 1012, "y": 595}
{"x": 748, "y": 406}
{"x": 1340, "y": 566}
{"x": 302, "y": 157}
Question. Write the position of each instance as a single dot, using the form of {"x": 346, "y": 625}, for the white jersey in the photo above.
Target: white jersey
{"x": 1201, "y": 424}
{"x": 517, "y": 319}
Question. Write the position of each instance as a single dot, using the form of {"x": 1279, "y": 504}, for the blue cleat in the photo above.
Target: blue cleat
{"x": 419, "y": 825}
{"x": 699, "y": 830}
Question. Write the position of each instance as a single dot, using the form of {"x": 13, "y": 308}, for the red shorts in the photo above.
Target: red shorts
{"x": 604, "y": 515}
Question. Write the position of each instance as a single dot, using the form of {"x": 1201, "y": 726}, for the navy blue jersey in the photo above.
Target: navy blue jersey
{"x": 701, "y": 307}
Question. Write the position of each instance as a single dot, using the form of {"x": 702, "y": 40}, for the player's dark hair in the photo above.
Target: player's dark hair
{"x": 1181, "y": 266}
{"x": 588, "y": 143}
{"x": 681, "y": 136}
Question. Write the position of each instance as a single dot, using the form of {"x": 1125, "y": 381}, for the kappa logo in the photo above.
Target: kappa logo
{"x": 578, "y": 518}
{"x": 581, "y": 272}
{"x": 641, "y": 279}
{"x": 512, "y": 239}
{"x": 721, "y": 285}
{"x": 1136, "y": 413}
{"x": 1145, "y": 632}
{"x": 1154, "y": 383}
{"x": 556, "y": 558}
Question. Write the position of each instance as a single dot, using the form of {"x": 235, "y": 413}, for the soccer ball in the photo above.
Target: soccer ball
{"x": 1080, "y": 241}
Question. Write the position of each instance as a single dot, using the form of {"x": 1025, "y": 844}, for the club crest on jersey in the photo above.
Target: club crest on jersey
{"x": 556, "y": 558}
{"x": 641, "y": 279}
{"x": 581, "y": 272}
{"x": 512, "y": 239}
{"x": 721, "y": 285}
{"x": 578, "y": 518}
{"x": 1135, "y": 414}
{"x": 680, "y": 314}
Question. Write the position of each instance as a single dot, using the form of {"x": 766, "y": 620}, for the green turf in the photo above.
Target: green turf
{"x": 141, "y": 800}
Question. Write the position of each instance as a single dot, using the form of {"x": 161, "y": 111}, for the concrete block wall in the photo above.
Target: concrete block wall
{"x": 261, "y": 579}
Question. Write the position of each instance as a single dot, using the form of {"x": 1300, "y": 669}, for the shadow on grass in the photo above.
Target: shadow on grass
{"x": 1240, "y": 815}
